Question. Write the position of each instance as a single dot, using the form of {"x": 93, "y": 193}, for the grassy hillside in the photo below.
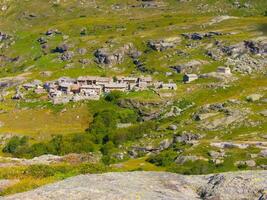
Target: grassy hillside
{"x": 151, "y": 138}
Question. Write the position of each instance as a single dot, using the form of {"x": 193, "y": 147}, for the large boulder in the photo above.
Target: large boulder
{"x": 154, "y": 186}
{"x": 163, "y": 44}
{"x": 108, "y": 57}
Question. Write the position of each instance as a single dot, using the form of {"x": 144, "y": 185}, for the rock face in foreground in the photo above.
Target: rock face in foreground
{"x": 248, "y": 185}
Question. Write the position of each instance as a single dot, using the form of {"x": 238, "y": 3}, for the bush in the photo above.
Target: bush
{"x": 92, "y": 168}
{"x": 104, "y": 122}
{"x": 193, "y": 168}
{"x": 40, "y": 171}
{"x": 127, "y": 116}
{"x": 14, "y": 144}
{"x": 113, "y": 96}
{"x": 133, "y": 133}
{"x": 107, "y": 148}
{"x": 164, "y": 158}
{"x": 58, "y": 145}
{"x": 38, "y": 149}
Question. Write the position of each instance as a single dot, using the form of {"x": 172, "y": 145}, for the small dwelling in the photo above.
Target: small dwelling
{"x": 86, "y": 80}
{"x": 66, "y": 80}
{"x": 144, "y": 82}
{"x": 91, "y": 90}
{"x": 130, "y": 81}
{"x": 189, "y": 78}
{"x": 148, "y": 80}
{"x": 224, "y": 70}
{"x": 115, "y": 87}
{"x": 65, "y": 87}
{"x": 103, "y": 81}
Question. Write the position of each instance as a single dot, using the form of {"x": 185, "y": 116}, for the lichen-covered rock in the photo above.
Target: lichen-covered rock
{"x": 154, "y": 186}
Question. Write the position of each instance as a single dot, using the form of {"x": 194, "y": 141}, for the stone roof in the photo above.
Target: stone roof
{"x": 115, "y": 85}
{"x": 90, "y": 87}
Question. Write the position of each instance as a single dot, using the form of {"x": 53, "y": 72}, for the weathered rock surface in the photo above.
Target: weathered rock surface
{"x": 50, "y": 159}
{"x": 105, "y": 56}
{"x": 161, "y": 45}
{"x": 154, "y": 185}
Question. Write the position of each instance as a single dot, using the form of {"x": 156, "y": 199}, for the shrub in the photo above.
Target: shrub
{"x": 113, "y": 96}
{"x": 127, "y": 116}
{"x": 14, "y": 143}
{"x": 107, "y": 148}
{"x": 58, "y": 145}
{"x": 133, "y": 133}
{"x": 38, "y": 149}
{"x": 92, "y": 168}
{"x": 164, "y": 158}
{"x": 193, "y": 168}
{"x": 40, "y": 171}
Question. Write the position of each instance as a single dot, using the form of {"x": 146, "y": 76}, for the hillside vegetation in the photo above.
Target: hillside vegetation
{"x": 216, "y": 123}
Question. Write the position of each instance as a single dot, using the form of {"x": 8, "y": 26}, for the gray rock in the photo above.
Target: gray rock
{"x": 172, "y": 127}
{"x": 162, "y": 45}
{"x": 61, "y": 48}
{"x": 186, "y": 137}
{"x": 82, "y": 51}
{"x": 254, "y": 97}
{"x": 68, "y": 55}
{"x": 200, "y": 36}
{"x": 104, "y": 55}
{"x": 190, "y": 67}
{"x": 174, "y": 112}
{"x": 249, "y": 163}
{"x": 165, "y": 144}
{"x": 200, "y": 117}
{"x": 263, "y": 153}
{"x": 46, "y": 73}
{"x": 153, "y": 186}
{"x": 264, "y": 113}
{"x": 184, "y": 159}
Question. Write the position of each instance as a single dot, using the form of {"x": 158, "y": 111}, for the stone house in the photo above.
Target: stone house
{"x": 144, "y": 82}
{"x": 75, "y": 88}
{"x": 91, "y": 90}
{"x": 102, "y": 81}
{"x": 148, "y": 80}
{"x": 189, "y": 78}
{"x": 55, "y": 93}
{"x": 66, "y": 80}
{"x": 65, "y": 87}
{"x": 86, "y": 80}
{"x": 115, "y": 87}
{"x": 130, "y": 81}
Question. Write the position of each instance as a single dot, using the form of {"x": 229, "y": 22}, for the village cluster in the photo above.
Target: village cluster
{"x": 67, "y": 89}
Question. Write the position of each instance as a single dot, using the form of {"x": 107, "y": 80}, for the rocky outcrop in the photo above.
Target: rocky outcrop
{"x": 163, "y": 44}
{"x": 200, "y": 36}
{"x": 51, "y": 159}
{"x": 146, "y": 109}
{"x": 105, "y": 56}
{"x": 190, "y": 67}
{"x": 154, "y": 185}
